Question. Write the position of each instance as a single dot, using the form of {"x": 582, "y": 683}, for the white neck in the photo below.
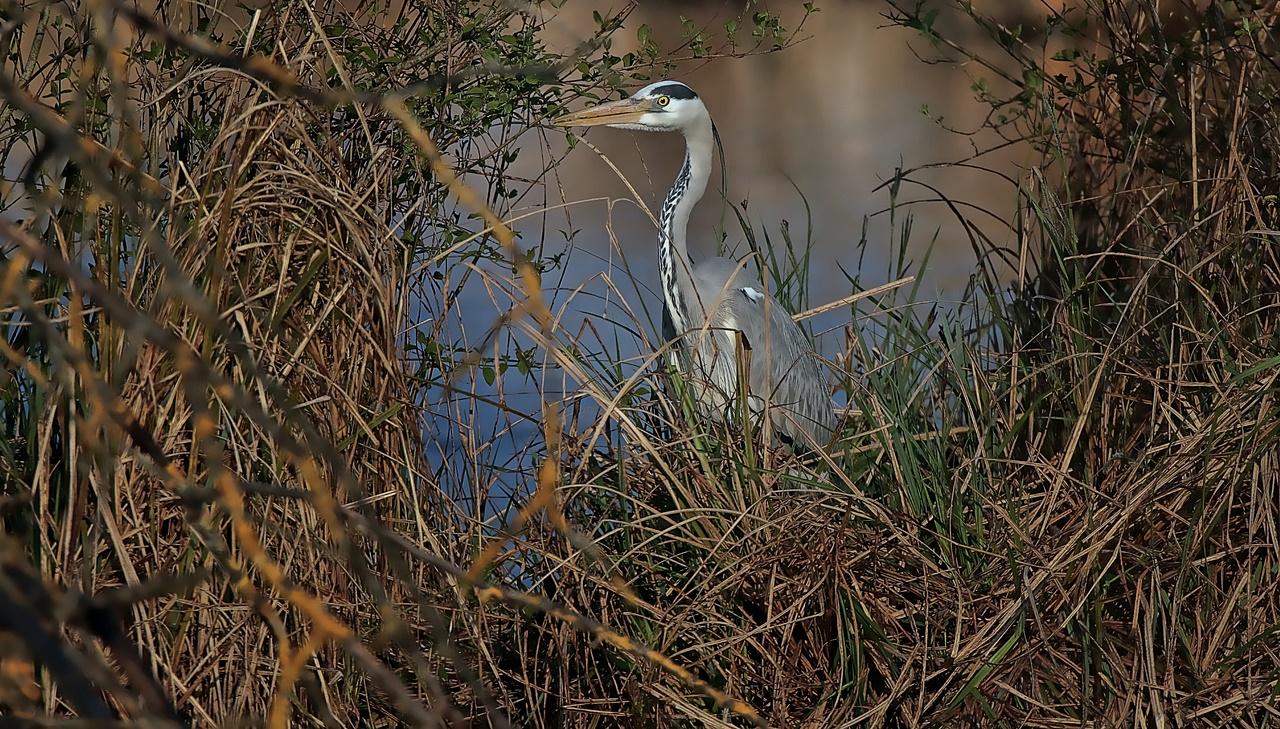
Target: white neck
{"x": 673, "y": 224}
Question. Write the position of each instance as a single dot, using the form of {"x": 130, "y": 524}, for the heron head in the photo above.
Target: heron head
{"x": 663, "y": 106}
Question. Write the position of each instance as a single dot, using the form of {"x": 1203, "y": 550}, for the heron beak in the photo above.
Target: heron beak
{"x": 614, "y": 112}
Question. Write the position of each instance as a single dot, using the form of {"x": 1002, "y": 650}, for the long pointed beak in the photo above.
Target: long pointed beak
{"x": 613, "y": 112}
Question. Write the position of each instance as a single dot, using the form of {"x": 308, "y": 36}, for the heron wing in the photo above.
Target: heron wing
{"x": 748, "y": 326}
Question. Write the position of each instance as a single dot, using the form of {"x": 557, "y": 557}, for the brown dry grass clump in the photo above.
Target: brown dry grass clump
{"x": 243, "y": 480}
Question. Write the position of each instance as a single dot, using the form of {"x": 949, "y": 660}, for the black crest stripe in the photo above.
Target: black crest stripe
{"x": 675, "y": 91}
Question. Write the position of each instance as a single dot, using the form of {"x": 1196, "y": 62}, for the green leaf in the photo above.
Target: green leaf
{"x": 378, "y": 419}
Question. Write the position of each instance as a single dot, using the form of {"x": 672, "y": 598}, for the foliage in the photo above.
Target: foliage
{"x": 232, "y": 323}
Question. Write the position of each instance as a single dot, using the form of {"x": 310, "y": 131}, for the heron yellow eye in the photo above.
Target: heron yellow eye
{"x": 664, "y": 100}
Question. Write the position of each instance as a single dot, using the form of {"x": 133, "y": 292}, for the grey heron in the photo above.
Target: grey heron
{"x": 721, "y": 315}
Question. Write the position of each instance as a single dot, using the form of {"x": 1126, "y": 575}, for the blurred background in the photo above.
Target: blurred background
{"x": 814, "y": 133}
{"x": 811, "y": 134}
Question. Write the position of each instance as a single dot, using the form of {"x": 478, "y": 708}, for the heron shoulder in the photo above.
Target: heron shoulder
{"x": 716, "y": 274}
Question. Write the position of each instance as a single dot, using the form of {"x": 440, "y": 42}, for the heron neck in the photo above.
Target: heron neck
{"x": 673, "y": 224}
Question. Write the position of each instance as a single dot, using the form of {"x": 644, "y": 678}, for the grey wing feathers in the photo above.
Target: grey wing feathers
{"x": 747, "y": 325}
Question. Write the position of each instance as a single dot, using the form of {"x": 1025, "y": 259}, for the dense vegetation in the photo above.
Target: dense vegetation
{"x": 242, "y": 480}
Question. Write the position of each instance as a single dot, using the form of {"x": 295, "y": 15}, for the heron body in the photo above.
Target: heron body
{"x": 731, "y": 332}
